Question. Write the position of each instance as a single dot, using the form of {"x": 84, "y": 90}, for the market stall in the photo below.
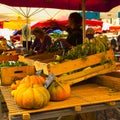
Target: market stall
{"x": 79, "y": 74}
{"x": 89, "y": 92}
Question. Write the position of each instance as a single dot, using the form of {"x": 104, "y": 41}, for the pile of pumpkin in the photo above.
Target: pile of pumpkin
{"x": 30, "y": 93}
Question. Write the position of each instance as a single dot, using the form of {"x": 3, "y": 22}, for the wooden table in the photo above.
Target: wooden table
{"x": 84, "y": 98}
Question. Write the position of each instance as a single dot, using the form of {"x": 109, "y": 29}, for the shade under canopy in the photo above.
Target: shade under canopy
{"x": 90, "y": 5}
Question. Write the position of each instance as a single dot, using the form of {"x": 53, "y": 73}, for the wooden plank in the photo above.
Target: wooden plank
{"x": 26, "y": 116}
{"x": 88, "y": 73}
{"x": 77, "y": 108}
{"x": 109, "y": 81}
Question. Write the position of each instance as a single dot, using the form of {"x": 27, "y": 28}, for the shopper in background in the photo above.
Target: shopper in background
{"x": 118, "y": 42}
{"x": 42, "y": 40}
{"x": 113, "y": 43}
{"x": 90, "y": 33}
{"x": 74, "y": 30}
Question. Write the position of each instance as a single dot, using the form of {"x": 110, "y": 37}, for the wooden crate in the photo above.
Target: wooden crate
{"x": 45, "y": 56}
{"x": 8, "y": 74}
{"x": 5, "y": 58}
{"x": 65, "y": 70}
{"x": 77, "y": 70}
{"x": 9, "y": 56}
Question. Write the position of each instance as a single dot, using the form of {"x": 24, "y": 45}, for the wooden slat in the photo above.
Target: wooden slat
{"x": 109, "y": 81}
{"x": 85, "y": 74}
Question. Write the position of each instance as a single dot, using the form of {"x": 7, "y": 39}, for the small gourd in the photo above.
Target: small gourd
{"x": 59, "y": 90}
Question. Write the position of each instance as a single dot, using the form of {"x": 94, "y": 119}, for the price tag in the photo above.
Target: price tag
{"x": 49, "y": 80}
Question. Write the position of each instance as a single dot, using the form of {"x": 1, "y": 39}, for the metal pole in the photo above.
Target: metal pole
{"x": 83, "y": 16}
{"x": 27, "y": 35}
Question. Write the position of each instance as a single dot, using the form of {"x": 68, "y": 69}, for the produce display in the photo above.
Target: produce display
{"x": 59, "y": 90}
{"x": 8, "y": 53}
{"x": 12, "y": 64}
{"x": 89, "y": 47}
{"x": 33, "y": 79}
{"x": 30, "y": 93}
{"x": 8, "y": 56}
{"x": 93, "y": 57}
{"x": 31, "y": 96}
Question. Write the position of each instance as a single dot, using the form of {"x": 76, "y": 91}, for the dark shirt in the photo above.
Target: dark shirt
{"x": 41, "y": 47}
{"x": 90, "y": 36}
{"x": 75, "y": 36}
{"x": 118, "y": 40}
{"x": 113, "y": 42}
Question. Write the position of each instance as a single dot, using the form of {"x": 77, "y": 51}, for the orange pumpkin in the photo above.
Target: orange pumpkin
{"x": 59, "y": 90}
{"x": 13, "y": 92}
{"x": 33, "y": 79}
{"x": 31, "y": 97}
{"x": 15, "y": 84}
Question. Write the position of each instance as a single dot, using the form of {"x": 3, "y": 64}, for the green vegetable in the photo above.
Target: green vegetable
{"x": 12, "y": 64}
{"x": 89, "y": 47}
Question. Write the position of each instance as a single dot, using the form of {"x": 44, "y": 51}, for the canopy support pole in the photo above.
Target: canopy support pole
{"x": 27, "y": 35}
{"x": 83, "y": 21}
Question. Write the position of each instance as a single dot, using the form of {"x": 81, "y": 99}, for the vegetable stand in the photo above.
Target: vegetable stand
{"x": 9, "y": 55}
{"x": 84, "y": 98}
{"x": 87, "y": 94}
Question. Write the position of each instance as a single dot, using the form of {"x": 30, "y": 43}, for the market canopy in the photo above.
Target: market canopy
{"x": 8, "y": 13}
{"x": 90, "y": 5}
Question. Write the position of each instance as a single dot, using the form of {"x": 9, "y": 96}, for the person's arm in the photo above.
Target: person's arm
{"x": 34, "y": 44}
{"x": 58, "y": 26}
{"x": 48, "y": 40}
{"x": 66, "y": 43}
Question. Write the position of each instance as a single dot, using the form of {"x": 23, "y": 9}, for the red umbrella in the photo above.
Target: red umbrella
{"x": 1, "y": 25}
{"x": 114, "y": 28}
{"x": 47, "y": 23}
{"x": 91, "y": 5}
{"x": 94, "y": 22}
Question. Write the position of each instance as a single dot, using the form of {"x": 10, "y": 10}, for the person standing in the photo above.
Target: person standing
{"x": 113, "y": 43}
{"x": 74, "y": 30}
{"x": 90, "y": 33}
{"x": 118, "y": 42}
